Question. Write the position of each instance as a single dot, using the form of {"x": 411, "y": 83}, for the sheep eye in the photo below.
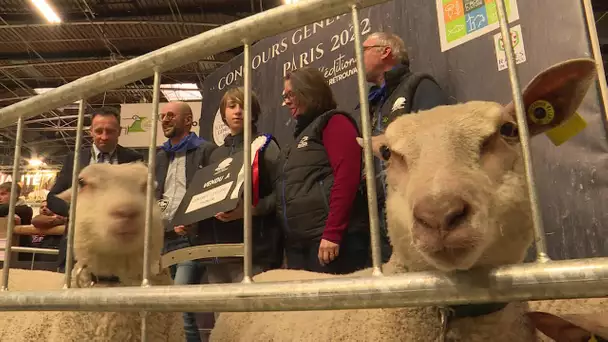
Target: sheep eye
{"x": 81, "y": 183}
{"x": 509, "y": 132}
{"x": 385, "y": 152}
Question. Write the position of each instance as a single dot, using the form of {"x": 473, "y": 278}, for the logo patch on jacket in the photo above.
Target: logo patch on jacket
{"x": 163, "y": 204}
{"x": 303, "y": 142}
{"x": 399, "y": 104}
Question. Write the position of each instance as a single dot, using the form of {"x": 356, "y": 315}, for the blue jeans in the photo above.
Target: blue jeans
{"x": 188, "y": 273}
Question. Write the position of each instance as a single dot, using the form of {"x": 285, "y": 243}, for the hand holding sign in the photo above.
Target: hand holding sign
{"x": 235, "y": 214}
{"x": 180, "y": 230}
{"x": 217, "y": 188}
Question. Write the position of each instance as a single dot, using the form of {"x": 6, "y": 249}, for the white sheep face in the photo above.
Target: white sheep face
{"x": 457, "y": 197}
{"x": 110, "y": 211}
{"x": 455, "y": 181}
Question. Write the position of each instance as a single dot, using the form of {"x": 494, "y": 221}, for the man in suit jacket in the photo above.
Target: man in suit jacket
{"x": 105, "y": 130}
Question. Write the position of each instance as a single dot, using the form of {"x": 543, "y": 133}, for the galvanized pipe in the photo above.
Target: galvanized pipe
{"x": 223, "y": 38}
{"x": 12, "y": 203}
{"x": 247, "y": 187}
{"x": 74, "y": 197}
{"x": 597, "y": 53}
{"x": 19, "y": 249}
{"x": 524, "y": 134}
{"x": 150, "y": 190}
{"x": 583, "y": 278}
{"x": 150, "y": 197}
{"x": 370, "y": 177}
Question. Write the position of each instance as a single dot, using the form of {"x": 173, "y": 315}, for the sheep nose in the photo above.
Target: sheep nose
{"x": 445, "y": 212}
{"x": 125, "y": 213}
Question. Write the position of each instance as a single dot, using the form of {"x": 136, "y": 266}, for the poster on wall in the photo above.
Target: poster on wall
{"x": 517, "y": 41}
{"x": 463, "y": 20}
{"x": 327, "y": 45}
{"x": 136, "y": 124}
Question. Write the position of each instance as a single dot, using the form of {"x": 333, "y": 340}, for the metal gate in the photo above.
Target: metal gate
{"x": 542, "y": 279}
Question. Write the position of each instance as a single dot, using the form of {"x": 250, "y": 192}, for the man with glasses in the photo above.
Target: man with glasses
{"x": 396, "y": 91}
{"x": 176, "y": 163}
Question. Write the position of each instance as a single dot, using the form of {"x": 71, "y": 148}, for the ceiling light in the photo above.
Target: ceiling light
{"x": 42, "y": 90}
{"x": 45, "y": 9}
{"x": 181, "y": 92}
{"x": 289, "y": 2}
{"x": 35, "y": 162}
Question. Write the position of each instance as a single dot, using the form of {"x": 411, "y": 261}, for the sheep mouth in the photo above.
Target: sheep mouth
{"x": 454, "y": 251}
{"x": 125, "y": 234}
{"x": 451, "y": 255}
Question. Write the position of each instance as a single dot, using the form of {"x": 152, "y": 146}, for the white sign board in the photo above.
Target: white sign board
{"x": 135, "y": 123}
{"x": 463, "y": 20}
{"x": 517, "y": 41}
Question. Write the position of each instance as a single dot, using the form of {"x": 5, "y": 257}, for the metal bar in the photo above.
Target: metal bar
{"x": 366, "y": 131}
{"x": 110, "y": 22}
{"x": 151, "y": 179}
{"x": 524, "y": 134}
{"x": 54, "y": 129}
{"x": 19, "y": 64}
{"x": 74, "y": 194}
{"x": 223, "y": 38}
{"x": 202, "y": 252}
{"x": 150, "y": 197}
{"x": 12, "y": 203}
{"x": 31, "y": 250}
{"x": 247, "y": 195}
{"x": 63, "y": 117}
{"x": 597, "y": 53}
{"x": 583, "y": 278}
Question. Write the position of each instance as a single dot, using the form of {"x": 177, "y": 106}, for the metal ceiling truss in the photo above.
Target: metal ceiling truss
{"x": 148, "y": 26}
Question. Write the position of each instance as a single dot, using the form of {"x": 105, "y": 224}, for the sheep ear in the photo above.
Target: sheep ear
{"x": 59, "y": 204}
{"x": 568, "y": 327}
{"x": 378, "y": 142}
{"x": 66, "y": 196}
{"x": 554, "y": 95}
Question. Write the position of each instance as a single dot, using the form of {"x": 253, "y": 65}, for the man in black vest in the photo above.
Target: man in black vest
{"x": 396, "y": 91}
{"x": 105, "y": 130}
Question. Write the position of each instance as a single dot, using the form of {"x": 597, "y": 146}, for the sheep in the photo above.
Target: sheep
{"x": 457, "y": 200}
{"x": 572, "y": 327}
{"x": 108, "y": 241}
{"x": 585, "y": 313}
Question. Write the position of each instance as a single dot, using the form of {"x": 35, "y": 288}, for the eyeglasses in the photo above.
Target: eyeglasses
{"x": 372, "y": 46}
{"x": 166, "y": 116}
{"x": 287, "y": 95}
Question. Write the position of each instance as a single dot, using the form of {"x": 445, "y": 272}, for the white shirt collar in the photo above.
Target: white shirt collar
{"x": 97, "y": 151}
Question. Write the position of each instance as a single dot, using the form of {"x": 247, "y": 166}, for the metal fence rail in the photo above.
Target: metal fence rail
{"x": 47, "y": 251}
{"x": 539, "y": 280}
{"x": 583, "y": 278}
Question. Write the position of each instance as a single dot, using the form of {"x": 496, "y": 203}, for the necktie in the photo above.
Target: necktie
{"x": 101, "y": 157}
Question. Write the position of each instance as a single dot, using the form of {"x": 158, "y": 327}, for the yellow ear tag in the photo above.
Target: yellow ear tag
{"x": 541, "y": 112}
{"x": 592, "y": 338}
{"x": 568, "y": 129}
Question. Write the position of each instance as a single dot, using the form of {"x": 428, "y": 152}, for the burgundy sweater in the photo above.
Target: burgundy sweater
{"x": 344, "y": 153}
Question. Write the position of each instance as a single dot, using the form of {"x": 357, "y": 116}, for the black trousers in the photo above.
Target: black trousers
{"x": 354, "y": 255}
